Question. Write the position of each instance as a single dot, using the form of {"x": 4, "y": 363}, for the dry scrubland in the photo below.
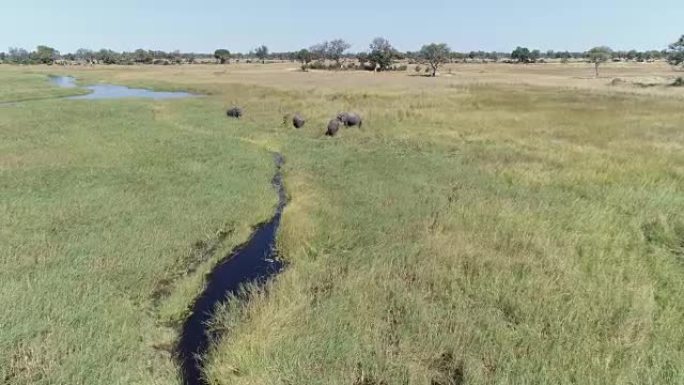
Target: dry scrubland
{"x": 499, "y": 224}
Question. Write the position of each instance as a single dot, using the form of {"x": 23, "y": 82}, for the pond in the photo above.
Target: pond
{"x": 110, "y": 91}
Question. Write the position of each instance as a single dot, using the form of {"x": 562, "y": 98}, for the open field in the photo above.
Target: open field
{"x": 498, "y": 224}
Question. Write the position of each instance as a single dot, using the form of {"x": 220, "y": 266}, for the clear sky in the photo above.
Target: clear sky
{"x": 204, "y": 25}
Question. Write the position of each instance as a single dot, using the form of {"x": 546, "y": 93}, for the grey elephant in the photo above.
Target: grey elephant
{"x": 350, "y": 119}
{"x": 235, "y": 112}
{"x": 333, "y": 127}
{"x": 298, "y": 121}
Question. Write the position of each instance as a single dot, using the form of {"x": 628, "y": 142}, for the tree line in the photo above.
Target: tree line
{"x": 380, "y": 56}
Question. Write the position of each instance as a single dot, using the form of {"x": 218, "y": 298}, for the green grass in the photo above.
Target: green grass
{"x": 17, "y": 87}
{"x": 104, "y": 206}
{"x": 466, "y": 235}
{"x": 481, "y": 236}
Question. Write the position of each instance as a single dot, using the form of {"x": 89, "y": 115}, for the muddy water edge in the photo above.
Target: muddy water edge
{"x": 253, "y": 262}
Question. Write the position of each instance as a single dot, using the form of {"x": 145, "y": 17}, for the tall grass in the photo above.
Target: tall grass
{"x": 471, "y": 234}
{"x": 481, "y": 235}
{"x": 110, "y": 214}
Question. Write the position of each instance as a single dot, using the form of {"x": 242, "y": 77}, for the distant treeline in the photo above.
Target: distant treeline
{"x": 334, "y": 54}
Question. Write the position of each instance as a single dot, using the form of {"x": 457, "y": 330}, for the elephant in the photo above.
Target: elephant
{"x": 333, "y": 127}
{"x": 235, "y": 112}
{"x": 298, "y": 121}
{"x": 350, "y": 119}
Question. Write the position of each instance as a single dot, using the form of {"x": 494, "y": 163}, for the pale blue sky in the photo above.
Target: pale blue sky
{"x": 204, "y": 25}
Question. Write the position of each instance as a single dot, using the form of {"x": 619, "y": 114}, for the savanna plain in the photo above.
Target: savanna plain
{"x": 499, "y": 224}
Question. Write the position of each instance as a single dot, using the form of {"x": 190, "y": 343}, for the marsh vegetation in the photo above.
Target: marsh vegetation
{"x": 507, "y": 224}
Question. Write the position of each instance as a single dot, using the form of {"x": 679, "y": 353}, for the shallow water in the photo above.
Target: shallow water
{"x": 110, "y": 91}
{"x": 254, "y": 262}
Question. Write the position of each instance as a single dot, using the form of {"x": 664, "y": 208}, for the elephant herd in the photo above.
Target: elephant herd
{"x": 347, "y": 119}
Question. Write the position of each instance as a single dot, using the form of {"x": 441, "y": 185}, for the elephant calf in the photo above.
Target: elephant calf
{"x": 234, "y": 112}
{"x": 333, "y": 127}
{"x": 298, "y": 121}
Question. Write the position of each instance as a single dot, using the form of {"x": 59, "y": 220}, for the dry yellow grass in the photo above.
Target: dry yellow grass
{"x": 287, "y": 76}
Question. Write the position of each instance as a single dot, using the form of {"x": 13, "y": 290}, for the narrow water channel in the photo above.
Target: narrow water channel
{"x": 254, "y": 262}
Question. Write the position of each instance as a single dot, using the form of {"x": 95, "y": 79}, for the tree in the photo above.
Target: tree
{"x": 304, "y": 57}
{"x": 521, "y": 54}
{"x": 564, "y": 56}
{"x": 598, "y": 55}
{"x": 381, "y": 54}
{"x": 143, "y": 57}
{"x": 335, "y": 49}
{"x": 17, "y": 55}
{"x": 85, "y": 55}
{"x": 632, "y": 54}
{"x": 261, "y": 53}
{"x": 222, "y": 56}
{"x": 458, "y": 56}
{"x": 45, "y": 55}
{"x": 435, "y": 55}
{"x": 107, "y": 56}
{"x": 362, "y": 57}
{"x": 675, "y": 55}
{"x": 319, "y": 51}
{"x": 535, "y": 55}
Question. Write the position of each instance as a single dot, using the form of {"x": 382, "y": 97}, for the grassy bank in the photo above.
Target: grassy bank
{"x": 469, "y": 233}
{"x": 19, "y": 86}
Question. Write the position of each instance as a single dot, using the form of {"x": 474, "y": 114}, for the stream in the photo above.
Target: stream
{"x": 254, "y": 262}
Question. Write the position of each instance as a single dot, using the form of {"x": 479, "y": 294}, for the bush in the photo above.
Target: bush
{"x": 317, "y": 65}
{"x": 679, "y": 82}
{"x": 417, "y": 68}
